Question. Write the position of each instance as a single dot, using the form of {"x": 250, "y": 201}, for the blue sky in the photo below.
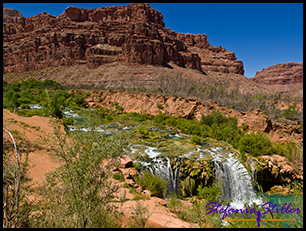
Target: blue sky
{"x": 260, "y": 34}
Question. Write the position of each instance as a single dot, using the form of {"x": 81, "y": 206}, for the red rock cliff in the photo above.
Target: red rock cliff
{"x": 284, "y": 77}
{"x": 133, "y": 34}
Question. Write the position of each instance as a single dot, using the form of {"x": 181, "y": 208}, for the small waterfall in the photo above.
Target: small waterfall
{"x": 253, "y": 168}
{"x": 235, "y": 181}
{"x": 166, "y": 172}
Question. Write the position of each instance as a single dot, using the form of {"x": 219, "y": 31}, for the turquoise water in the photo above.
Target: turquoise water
{"x": 297, "y": 202}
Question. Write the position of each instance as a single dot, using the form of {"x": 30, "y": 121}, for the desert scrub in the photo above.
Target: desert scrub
{"x": 154, "y": 183}
{"x": 78, "y": 193}
{"x": 16, "y": 186}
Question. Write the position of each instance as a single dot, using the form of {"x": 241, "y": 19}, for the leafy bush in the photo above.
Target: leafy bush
{"x": 154, "y": 183}
{"x": 159, "y": 106}
{"x": 290, "y": 112}
{"x": 118, "y": 176}
{"x": 119, "y": 108}
{"x": 34, "y": 112}
{"x": 256, "y": 144}
{"x": 143, "y": 132}
{"x": 216, "y": 117}
{"x": 68, "y": 121}
{"x": 209, "y": 193}
{"x": 196, "y": 139}
{"x": 208, "y": 120}
{"x": 8, "y": 103}
{"x": 24, "y": 106}
{"x": 160, "y": 118}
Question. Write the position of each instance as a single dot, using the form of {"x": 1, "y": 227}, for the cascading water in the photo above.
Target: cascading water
{"x": 166, "y": 172}
{"x": 235, "y": 181}
{"x": 161, "y": 166}
{"x": 231, "y": 174}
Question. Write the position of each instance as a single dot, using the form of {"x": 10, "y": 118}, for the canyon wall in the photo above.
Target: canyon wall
{"x": 133, "y": 34}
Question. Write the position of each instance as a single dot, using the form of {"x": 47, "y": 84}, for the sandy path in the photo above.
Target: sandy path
{"x": 39, "y": 159}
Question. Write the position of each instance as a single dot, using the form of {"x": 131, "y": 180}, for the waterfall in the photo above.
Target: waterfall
{"x": 166, "y": 172}
{"x": 235, "y": 181}
{"x": 251, "y": 163}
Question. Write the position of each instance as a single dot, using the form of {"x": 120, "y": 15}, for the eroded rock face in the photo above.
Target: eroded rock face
{"x": 10, "y": 15}
{"x": 257, "y": 121}
{"x": 284, "y": 77}
{"x": 276, "y": 170}
{"x": 133, "y": 34}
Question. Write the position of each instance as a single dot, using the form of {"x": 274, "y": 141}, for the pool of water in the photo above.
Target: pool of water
{"x": 296, "y": 202}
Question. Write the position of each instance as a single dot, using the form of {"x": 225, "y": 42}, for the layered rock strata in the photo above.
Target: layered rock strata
{"x": 133, "y": 34}
{"x": 283, "y": 77}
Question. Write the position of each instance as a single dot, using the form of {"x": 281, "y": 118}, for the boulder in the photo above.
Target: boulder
{"x": 256, "y": 121}
{"x": 125, "y": 161}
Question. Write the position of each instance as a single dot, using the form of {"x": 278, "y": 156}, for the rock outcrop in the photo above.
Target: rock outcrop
{"x": 10, "y": 15}
{"x": 133, "y": 34}
{"x": 276, "y": 170}
{"x": 257, "y": 121}
{"x": 284, "y": 77}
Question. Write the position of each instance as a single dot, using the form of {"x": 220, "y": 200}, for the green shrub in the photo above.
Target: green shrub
{"x": 196, "y": 139}
{"x": 154, "y": 183}
{"x": 160, "y": 118}
{"x": 290, "y": 112}
{"x": 209, "y": 193}
{"x": 118, "y": 176}
{"x": 159, "y": 106}
{"x": 215, "y": 117}
{"x": 143, "y": 132}
{"x": 207, "y": 120}
{"x": 79, "y": 100}
{"x": 8, "y": 103}
{"x": 68, "y": 121}
{"x": 72, "y": 105}
{"x": 256, "y": 144}
{"x": 24, "y": 106}
{"x": 34, "y": 112}
{"x": 119, "y": 108}
{"x": 245, "y": 127}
